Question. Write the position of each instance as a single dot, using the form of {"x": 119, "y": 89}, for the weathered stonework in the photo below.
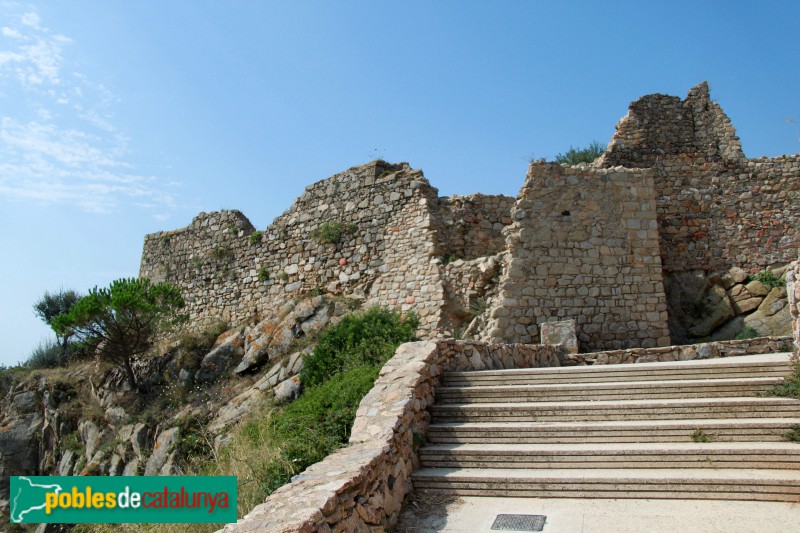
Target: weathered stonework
{"x": 583, "y": 245}
{"x": 672, "y": 195}
{"x": 793, "y": 290}
{"x": 662, "y": 354}
{"x": 716, "y": 209}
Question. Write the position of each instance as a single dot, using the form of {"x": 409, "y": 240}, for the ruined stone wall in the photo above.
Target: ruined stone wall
{"x": 583, "y": 245}
{"x": 793, "y": 290}
{"x": 716, "y": 209}
{"x": 230, "y": 273}
{"x": 714, "y": 216}
{"x": 472, "y": 226}
{"x": 660, "y": 126}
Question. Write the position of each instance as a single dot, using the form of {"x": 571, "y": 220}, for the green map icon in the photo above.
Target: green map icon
{"x": 28, "y": 497}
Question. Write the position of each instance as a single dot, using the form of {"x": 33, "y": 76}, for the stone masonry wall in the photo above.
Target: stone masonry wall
{"x": 583, "y": 245}
{"x": 362, "y": 487}
{"x": 793, "y": 290}
{"x": 228, "y": 272}
{"x": 716, "y": 209}
{"x": 472, "y": 226}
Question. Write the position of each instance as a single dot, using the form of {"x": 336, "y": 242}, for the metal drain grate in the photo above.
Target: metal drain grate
{"x": 519, "y": 522}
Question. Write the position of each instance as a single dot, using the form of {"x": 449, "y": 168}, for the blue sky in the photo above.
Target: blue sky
{"x": 120, "y": 118}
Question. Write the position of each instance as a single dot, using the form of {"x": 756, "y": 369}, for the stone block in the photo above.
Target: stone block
{"x": 561, "y": 333}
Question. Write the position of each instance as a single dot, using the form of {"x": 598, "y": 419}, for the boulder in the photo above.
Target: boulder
{"x": 116, "y": 415}
{"x": 288, "y": 390}
{"x": 729, "y": 330}
{"x": 274, "y": 337}
{"x": 774, "y": 302}
{"x": 775, "y": 325}
{"x": 132, "y": 467}
{"x": 228, "y": 349}
{"x": 756, "y": 288}
{"x": 236, "y": 409}
{"x": 743, "y": 300}
{"x": 91, "y": 436}
{"x": 67, "y": 463}
{"x": 26, "y": 402}
{"x": 138, "y": 439}
{"x": 162, "y": 449}
{"x": 716, "y": 309}
{"x": 96, "y": 466}
{"x": 19, "y": 445}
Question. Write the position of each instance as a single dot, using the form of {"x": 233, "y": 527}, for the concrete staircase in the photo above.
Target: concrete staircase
{"x": 688, "y": 430}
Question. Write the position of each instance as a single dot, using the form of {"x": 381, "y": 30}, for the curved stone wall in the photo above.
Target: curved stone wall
{"x": 361, "y": 487}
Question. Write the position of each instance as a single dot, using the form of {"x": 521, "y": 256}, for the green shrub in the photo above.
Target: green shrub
{"x": 749, "y": 332}
{"x": 368, "y": 338}
{"x": 332, "y": 232}
{"x": 222, "y": 253}
{"x": 50, "y": 354}
{"x": 768, "y": 278}
{"x": 263, "y": 274}
{"x": 449, "y": 258}
{"x": 573, "y": 156}
{"x": 255, "y": 237}
{"x": 315, "y": 424}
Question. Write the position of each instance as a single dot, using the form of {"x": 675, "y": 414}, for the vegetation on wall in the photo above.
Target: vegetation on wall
{"x": 573, "y": 156}
{"x": 332, "y": 232}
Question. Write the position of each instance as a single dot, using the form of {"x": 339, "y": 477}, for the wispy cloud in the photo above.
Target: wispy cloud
{"x": 59, "y": 142}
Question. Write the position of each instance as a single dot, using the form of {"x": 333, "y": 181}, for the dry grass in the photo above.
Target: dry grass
{"x": 245, "y": 456}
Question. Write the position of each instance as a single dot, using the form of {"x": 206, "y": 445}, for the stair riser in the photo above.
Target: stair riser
{"x": 589, "y": 395}
{"x": 700, "y": 493}
{"x": 607, "y": 377}
{"x": 609, "y": 374}
{"x": 598, "y": 416}
{"x": 601, "y": 462}
{"x": 573, "y": 438}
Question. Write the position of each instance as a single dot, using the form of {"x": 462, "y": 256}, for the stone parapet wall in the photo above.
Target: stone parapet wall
{"x": 793, "y": 292}
{"x": 709, "y": 350}
{"x": 583, "y": 245}
{"x": 362, "y": 487}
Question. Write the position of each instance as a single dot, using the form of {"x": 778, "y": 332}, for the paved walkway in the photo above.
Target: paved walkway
{"x": 476, "y": 515}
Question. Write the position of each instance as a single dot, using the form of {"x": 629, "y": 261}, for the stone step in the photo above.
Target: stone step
{"x": 768, "y": 365}
{"x": 770, "y": 455}
{"x": 718, "y": 430}
{"x": 664, "y": 409}
{"x": 730, "y": 484}
{"x": 632, "y": 390}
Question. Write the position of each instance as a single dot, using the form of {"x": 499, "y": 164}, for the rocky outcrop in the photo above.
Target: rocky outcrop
{"x": 726, "y": 306}
{"x": 274, "y": 337}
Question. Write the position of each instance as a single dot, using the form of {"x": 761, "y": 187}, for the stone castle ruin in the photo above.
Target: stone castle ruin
{"x": 650, "y": 245}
